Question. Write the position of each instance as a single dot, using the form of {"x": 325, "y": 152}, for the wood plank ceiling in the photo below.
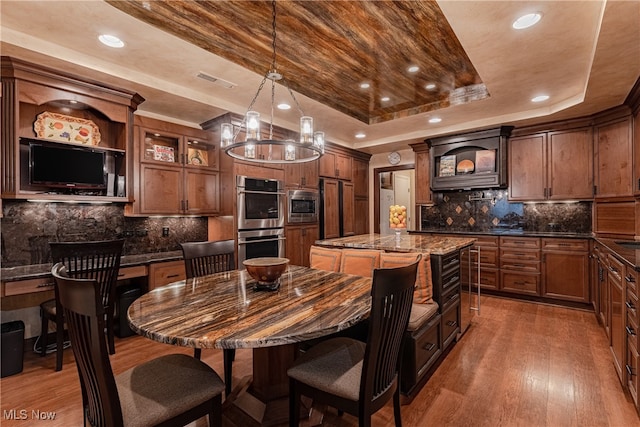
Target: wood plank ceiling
{"x": 326, "y": 50}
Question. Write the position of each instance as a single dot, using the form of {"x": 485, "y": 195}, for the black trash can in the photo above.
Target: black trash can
{"x": 12, "y": 348}
{"x": 126, "y": 296}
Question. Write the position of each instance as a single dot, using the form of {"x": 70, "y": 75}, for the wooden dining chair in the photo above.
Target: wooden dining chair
{"x": 170, "y": 390}
{"x": 352, "y": 376}
{"x": 99, "y": 260}
{"x": 201, "y": 259}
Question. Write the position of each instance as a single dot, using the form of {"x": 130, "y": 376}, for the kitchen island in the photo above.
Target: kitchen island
{"x": 426, "y": 344}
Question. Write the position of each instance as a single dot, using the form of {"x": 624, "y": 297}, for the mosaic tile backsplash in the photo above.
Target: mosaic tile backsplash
{"x": 481, "y": 211}
{"x": 27, "y": 228}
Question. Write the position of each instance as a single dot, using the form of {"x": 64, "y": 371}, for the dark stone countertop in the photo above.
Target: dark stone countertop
{"x": 404, "y": 243}
{"x": 626, "y": 253}
{"x": 37, "y": 271}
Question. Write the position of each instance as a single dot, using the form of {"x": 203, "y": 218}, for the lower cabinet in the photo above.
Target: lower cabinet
{"x": 520, "y": 265}
{"x": 421, "y": 349}
{"x": 565, "y": 269}
{"x": 299, "y": 239}
{"x": 163, "y": 273}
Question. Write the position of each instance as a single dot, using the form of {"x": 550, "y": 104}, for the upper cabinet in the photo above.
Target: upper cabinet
{"x": 614, "y": 174}
{"x": 176, "y": 170}
{"x": 471, "y": 160}
{"x": 423, "y": 195}
{"x": 544, "y": 166}
{"x": 60, "y": 112}
{"x": 335, "y": 164}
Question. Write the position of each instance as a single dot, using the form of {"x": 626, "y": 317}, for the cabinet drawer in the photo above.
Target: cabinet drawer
{"x": 631, "y": 304}
{"x": 488, "y": 257}
{"x": 565, "y": 244}
{"x": 631, "y": 330}
{"x": 489, "y": 277}
{"x": 520, "y": 266}
{"x": 427, "y": 345}
{"x": 28, "y": 286}
{"x": 450, "y": 323}
{"x": 519, "y": 255}
{"x": 616, "y": 269}
{"x": 631, "y": 278}
{"x": 131, "y": 272}
{"x": 520, "y": 242}
{"x": 166, "y": 272}
{"x": 632, "y": 368}
{"x": 521, "y": 283}
{"x": 486, "y": 241}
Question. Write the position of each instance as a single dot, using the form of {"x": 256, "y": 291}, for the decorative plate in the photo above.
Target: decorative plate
{"x": 59, "y": 127}
{"x": 465, "y": 166}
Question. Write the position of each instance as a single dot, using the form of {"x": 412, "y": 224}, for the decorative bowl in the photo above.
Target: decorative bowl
{"x": 266, "y": 271}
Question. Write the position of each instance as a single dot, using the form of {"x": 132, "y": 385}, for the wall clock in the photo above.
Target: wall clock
{"x": 394, "y": 157}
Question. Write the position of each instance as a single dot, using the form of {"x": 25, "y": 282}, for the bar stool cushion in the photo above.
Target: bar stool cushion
{"x": 360, "y": 262}
{"x": 420, "y": 315}
{"x": 162, "y": 388}
{"x": 334, "y": 366}
{"x": 423, "y": 291}
{"x": 325, "y": 258}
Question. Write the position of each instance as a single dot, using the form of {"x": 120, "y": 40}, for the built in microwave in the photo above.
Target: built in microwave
{"x": 302, "y": 206}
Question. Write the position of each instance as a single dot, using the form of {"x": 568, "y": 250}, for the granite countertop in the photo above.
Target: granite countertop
{"x": 437, "y": 245}
{"x": 37, "y": 271}
{"x": 627, "y": 254}
{"x": 508, "y": 232}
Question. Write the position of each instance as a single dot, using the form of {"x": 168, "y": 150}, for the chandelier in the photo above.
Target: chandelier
{"x": 309, "y": 146}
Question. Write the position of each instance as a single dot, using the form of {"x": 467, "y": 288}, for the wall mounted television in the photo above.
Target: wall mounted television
{"x": 65, "y": 166}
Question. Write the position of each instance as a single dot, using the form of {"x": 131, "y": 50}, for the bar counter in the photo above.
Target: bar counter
{"x": 436, "y": 245}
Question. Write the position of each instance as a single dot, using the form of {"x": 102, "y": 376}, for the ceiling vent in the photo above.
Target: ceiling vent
{"x": 216, "y": 80}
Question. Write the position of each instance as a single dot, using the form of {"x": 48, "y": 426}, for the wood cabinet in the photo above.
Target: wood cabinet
{"x": 488, "y": 247}
{"x": 614, "y": 158}
{"x": 163, "y": 273}
{"x": 617, "y": 312}
{"x": 360, "y": 178}
{"x": 348, "y": 210}
{"x": 544, "y": 166}
{"x": 520, "y": 265}
{"x": 446, "y": 292}
{"x": 28, "y": 91}
{"x": 301, "y": 175}
{"x": 176, "y": 171}
{"x": 334, "y": 164}
{"x": 632, "y": 306}
{"x": 331, "y": 215}
{"x": 300, "y": 238}
{"x": 565, "y": 269}
{"x": 361, "y": 221}
{"x": 423, "y": 195}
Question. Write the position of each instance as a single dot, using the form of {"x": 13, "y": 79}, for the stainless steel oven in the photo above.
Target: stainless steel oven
{"x": 302, "y": 206}
{"x": 260, "y": 243}
{"x": 260, "y": 203}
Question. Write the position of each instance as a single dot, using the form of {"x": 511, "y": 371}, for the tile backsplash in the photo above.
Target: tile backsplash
{"x": 28, "y": 227}
{"x": 480, "y": 211}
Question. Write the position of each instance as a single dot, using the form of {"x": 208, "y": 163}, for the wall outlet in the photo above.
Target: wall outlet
{"x": 165, "y": 231}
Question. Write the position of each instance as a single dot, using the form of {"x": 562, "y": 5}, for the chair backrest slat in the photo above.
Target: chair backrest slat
{"x": 84, "y": 313}
{"x": 392, "y": 297}
{"x": 203, "y": 258}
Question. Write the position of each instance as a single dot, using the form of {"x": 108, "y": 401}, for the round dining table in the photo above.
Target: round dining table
{"x": 227, "y": 311}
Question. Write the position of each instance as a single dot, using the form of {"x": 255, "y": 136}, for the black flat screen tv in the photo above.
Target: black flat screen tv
{"x": 64, "y": 166}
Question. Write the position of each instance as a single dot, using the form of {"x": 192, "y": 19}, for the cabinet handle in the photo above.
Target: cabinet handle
{"x": 46, "y": 285}
{"x": 452, "y": 323}
{"x": 630, "y": 370}
{"x": 429, "y": 346}
{"x": 630, "y": 279}
{"x": 186, "y": 205}
{"x": 544, "y": 192}
{"x": 630, "y": 305}
{"x": 549, "y": 195}
{"x": 171, "y": 276}
{"x": 518, "y": 265}
{"x": 630, "y": 330}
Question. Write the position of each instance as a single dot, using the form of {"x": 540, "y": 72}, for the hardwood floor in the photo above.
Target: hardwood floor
{"x": 520, "y": 364}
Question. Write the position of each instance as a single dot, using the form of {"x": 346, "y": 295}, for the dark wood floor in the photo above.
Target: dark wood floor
{"x": 520, "y": 364}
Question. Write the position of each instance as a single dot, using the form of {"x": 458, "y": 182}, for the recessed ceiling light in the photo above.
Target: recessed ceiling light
{"x": 111, "y": 41}
{"x": 526, "y": 21}
{"x": 430, "y": 86}
{"x": 360, "y": 135}
{"x": 540, "y": 98}
{"x": 365, "y": 85}
{"x": 284, "y": 106}
{"x": 435, "y": 120}
{"x": 413, "y": 69}
{"x": 385, "y": 99}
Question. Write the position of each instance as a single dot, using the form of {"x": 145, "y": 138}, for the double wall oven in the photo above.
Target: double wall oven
{"x": 261, "y": 215}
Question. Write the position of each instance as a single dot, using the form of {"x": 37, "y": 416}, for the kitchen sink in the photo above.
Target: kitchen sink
{"x": 629, "y": 245}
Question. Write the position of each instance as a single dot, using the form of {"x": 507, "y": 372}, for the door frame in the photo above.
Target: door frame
{"x": 376, "y": 190}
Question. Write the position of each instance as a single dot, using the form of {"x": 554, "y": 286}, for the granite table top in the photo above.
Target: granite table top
{"x": 437, "y": 245}
{"x": 223, "y": 310}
